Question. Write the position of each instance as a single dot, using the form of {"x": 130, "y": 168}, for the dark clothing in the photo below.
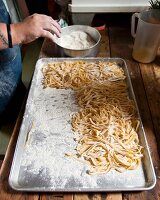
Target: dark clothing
{"x": 10, "y": 68}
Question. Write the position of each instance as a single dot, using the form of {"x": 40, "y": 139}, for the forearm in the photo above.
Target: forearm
{"x": 4, "y": 35}
{"x": 31, "y": 28}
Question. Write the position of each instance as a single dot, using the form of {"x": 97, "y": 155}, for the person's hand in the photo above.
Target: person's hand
{"x": 35, "y": 26}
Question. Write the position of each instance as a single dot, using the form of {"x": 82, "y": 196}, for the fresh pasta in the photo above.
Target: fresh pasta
{"x": 107, "y": 121}
{"x": 77, "y": 74}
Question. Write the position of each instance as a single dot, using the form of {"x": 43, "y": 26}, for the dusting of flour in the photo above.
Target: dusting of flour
{"x": 44, "y": 163}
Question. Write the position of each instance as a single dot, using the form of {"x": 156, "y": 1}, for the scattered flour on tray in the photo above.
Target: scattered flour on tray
{"x": 44, "y": 163}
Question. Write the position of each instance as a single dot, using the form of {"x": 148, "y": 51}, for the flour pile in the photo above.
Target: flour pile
{"x": 78, "y": 40}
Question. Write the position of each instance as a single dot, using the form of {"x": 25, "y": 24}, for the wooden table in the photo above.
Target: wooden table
{"x": 116, "y": 42}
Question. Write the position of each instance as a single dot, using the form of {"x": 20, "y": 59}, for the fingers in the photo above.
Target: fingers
{"x": 53, "y": 30}
{"x": 51, "y": 25}
{"x": 47, "y": 34}
{"x": 55, "y": 23}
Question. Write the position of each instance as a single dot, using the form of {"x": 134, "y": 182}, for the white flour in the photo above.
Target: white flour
{"x": 44, "y": 163}
{"x": 76, "y": 40}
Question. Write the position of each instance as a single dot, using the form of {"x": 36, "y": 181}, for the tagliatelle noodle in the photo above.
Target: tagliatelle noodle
{"x": 107, "y": 121}
{"x": 74, "y": 75}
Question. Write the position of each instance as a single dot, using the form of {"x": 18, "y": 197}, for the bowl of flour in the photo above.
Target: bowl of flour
{"x": 78, "y": 41}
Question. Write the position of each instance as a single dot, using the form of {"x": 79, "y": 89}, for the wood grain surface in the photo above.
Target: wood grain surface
{"x": 116, "y": 42}
{"x": 144, "y": 81}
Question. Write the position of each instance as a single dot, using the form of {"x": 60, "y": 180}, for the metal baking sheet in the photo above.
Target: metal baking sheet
{"x": 39, "y": 162}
